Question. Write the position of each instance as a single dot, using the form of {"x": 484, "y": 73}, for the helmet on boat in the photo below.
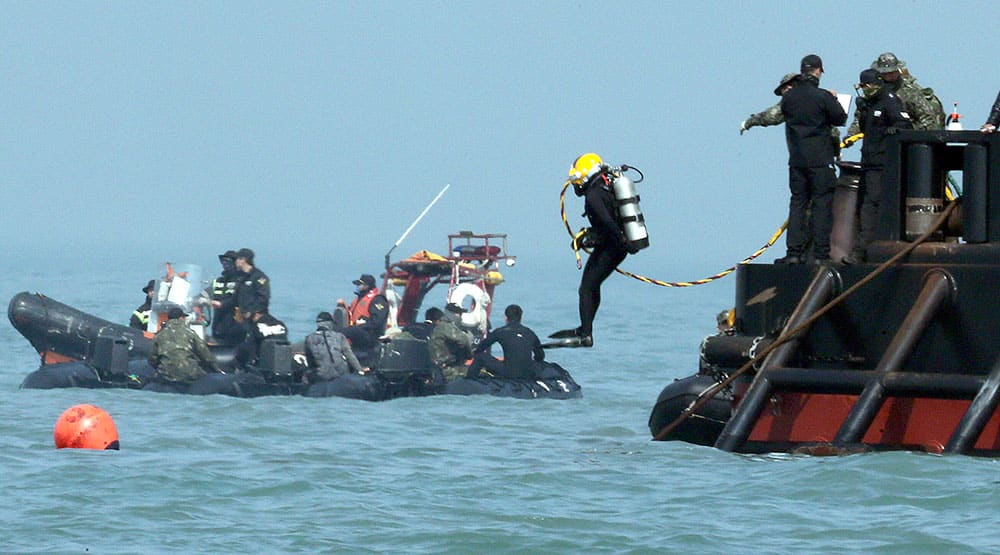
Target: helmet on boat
{"x": 584, "y": 166}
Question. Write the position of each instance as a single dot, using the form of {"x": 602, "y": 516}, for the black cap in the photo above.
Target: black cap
{"x": 324, "y": 317}
{"x": 810, "y": 63}
{"x": 366, "y": 279}
{"x": 869, "y": 76}
{"x": 433, "y": 314}
{"x": 245, "y": 253}
{"x": 230, "y": 254}
{"x": 149, "y": 286}
{"x": 454, "y": 308}
{"x": 175, "y": 313}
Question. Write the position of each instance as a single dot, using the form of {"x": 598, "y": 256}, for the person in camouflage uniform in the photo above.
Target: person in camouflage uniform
{"x": 178, "y": 354}
{"x": 773, "y": 115}
{"x": 449, "y": 346}
{"x": 925, "y": 116}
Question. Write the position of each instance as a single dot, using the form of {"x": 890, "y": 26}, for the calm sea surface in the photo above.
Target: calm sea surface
{"x": 448, "y": 474}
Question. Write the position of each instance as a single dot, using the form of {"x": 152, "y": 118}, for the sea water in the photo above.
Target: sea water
{"x": 448, "y": 474}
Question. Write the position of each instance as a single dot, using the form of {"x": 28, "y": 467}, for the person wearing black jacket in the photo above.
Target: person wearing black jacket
{"x": 140, "y": 317}
{"x": 521, "y": 350}
{"x": 225, "y": 329}
{"x": 994, "y": 119}
{"x": 263, "y": 327}
{"x": 880, "y": 114}
{"x": 810, "y": 114}
{"x": 253, "y": 291}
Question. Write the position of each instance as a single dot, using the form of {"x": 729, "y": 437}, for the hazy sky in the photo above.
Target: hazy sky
{"x": 187, "y": 128}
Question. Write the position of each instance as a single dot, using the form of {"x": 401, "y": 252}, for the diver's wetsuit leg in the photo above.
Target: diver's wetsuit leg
{"x": 599, "y": 266}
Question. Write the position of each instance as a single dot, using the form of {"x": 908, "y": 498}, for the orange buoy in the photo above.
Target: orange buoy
{"x": 85, "y": 427}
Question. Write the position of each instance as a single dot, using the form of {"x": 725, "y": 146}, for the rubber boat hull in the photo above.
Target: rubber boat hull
{"x": 708, "y": 420}
{"x": 81, "y": 350}
{"x": 556, "y": 383}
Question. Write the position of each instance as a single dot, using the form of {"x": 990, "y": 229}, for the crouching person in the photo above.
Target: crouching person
{"x": 449, "y": 346}
{"x": 328, "y": 353}
{"x": 179, "y": 355}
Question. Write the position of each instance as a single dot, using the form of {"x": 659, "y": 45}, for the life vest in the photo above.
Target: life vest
{"x": 359, "y": 307}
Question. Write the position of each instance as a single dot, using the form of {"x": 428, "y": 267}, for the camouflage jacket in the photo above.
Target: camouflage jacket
{"x": 773, "y": 116}
{"x": 449, "y": 347}
{"x": 179, "y": 355}
{"x": 922, "y": 113}
{"x": 767, "y": 118}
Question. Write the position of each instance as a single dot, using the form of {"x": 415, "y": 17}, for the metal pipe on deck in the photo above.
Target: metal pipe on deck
{"x": 937, "y": 289}
{"x": 979, "y": 413}
{"x": 738, "y": 428}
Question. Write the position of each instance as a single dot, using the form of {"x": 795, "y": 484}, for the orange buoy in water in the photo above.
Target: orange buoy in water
{"x": 85, "y": 427}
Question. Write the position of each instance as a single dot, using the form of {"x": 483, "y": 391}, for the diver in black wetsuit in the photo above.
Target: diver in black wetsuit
{"x": 592, "y": 181}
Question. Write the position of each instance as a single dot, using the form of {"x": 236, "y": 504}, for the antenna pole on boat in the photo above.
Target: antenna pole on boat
{"x": 414, "y": 224}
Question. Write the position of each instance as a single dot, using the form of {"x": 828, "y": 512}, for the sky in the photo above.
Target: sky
{"x": 183, "y": 129}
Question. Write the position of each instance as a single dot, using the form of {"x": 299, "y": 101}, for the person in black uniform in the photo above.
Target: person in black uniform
{"x": 880, "y": 114}
{"x": 592, "y": 181}
{"x": 994, "y": 118}
{"x": 263, "y": 327}
{"x": 810, "y": 114}
{"x": 140, "y": 318}
{"x": 225, "y": 329}
{"x": 253, "y": 290}
{"x": 521, "y": 350}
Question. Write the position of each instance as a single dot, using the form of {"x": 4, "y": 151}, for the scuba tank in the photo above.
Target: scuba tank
{"x": 630, "y": 215}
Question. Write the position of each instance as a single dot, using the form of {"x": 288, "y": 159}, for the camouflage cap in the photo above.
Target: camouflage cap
{"x": 887, "y": 62}
{"x": 786, "y": 80}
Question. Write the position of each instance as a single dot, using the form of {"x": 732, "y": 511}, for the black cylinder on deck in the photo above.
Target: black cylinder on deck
{"x": 923, "y": 199}
{"x": 974, "y": 194}
{"x": 845, "y": 210}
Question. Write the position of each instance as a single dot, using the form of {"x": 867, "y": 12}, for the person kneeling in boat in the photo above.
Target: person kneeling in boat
{"x": 423, "y": 330}
{"x": 328, "y": 352}
{"x": 522, "y": 351}
{"x": 366, "y": 317}
{"x": 449, "y": 346}
{"x": 179, "y": 354}
{"x": 263, "y": 327}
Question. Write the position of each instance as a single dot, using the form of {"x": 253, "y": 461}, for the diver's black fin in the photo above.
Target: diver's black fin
{"x": 564, "y": 334}
{"x": 569, "y": 342}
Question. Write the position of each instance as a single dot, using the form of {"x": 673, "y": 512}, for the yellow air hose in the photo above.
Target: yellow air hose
{"x": 577, "y": 247}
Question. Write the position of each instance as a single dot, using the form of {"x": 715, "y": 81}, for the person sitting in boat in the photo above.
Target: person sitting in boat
{"x": 328, "y": 353}
{"x": 366, "y": 317}
{"x": 449, "y": 346}
{"x": 423, "y": 330}
{"x": 263, "y": 327}
{"x": 522, "y": 351}
{"x": 179, "y": 355}
{"x": 226, "y": 330}
{"x": 140, "y": 318}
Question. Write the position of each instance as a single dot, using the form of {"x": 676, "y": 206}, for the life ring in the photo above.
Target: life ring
{"x": 475, "y": 317}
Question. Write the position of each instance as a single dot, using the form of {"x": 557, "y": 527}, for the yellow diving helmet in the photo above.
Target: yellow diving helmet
{"x": 584, "y": 166}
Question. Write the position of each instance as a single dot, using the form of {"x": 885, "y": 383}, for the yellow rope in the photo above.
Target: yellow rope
{"x": 577, "y": 248}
